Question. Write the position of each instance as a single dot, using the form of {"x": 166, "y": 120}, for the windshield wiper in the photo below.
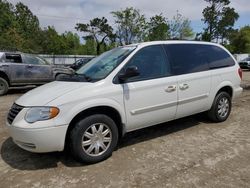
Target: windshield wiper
{"x": 88, "y": 78}
{"x": 75, "y": 78}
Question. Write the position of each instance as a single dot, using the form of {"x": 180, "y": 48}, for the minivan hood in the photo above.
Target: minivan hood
{"x": 44, "y": 94}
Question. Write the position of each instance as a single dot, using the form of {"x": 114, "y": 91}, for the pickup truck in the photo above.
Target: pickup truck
{"x": 20, "y": 69}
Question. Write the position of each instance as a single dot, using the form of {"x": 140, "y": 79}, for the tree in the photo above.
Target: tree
{"x": 72, "y": 42}
{"x": 6, "y": 16}
{"x": 27, "y": 26}
{"x": 240, "y": 41}
{"x": 90, "y": 46}
{"x": 52, "y": 43}
{"x": 158, "y": 28}
{"x": 220, "y": 19}
{"x": 97, "y": 29}
{"x": 131, "y": 25}
{"x": 180, "y": 27}
{"x": 20, "y": 30}
{"x": 7, "y": 26}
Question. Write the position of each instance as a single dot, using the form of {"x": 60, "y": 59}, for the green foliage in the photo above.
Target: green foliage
{"x": 97, "y": 29}
{"x": 90, "y": 46}
{"x": 219, "y": 19}
{"x": 131, "y": 25}
{"x": 20, "y": 30}
{"x": 6, "y": 16}
{"x": 158, "y": 28}
{"x": 240, "y": 41}
{"x": 180, "y": 28}
{"x": 7, "y": 22}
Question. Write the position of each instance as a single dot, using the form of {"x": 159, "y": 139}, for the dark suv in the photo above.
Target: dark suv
{"x": 19, "y": 69}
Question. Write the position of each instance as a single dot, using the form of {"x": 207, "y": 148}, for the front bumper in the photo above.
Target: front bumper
{"x": 39, "y": 140}
{"x": 244, "y": 66}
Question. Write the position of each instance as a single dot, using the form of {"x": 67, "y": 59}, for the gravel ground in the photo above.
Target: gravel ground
{"x": 190, "y": 152}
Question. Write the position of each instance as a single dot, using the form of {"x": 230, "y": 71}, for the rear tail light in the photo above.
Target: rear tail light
{"x": 240, "y": 73}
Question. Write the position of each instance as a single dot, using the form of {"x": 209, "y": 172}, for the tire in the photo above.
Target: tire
{"x": 221, "y": 107}
{"x": 89, "y": 131}
{"x": 4, "y": 86}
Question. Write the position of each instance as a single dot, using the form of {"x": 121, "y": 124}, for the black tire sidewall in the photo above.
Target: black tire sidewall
{"x": 6, "y": 86}
{"x": 217, "y": 100}
{"x": 81, "y": 127}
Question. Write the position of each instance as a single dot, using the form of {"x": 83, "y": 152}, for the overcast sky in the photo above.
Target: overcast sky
{"x": 64, "y": 14}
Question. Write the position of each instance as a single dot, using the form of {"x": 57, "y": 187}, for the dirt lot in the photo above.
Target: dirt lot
{"x": 190, "y": 152}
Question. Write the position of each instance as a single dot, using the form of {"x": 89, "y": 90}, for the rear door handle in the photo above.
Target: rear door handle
{"x": 183, "y": 86}
{"x": 170, "y": 88}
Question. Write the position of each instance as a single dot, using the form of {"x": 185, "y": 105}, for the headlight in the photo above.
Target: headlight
{"x": 35, "y": 114}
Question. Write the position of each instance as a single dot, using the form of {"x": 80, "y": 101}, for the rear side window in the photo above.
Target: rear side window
{"x": 187, "y": 58}
{"x": 151, "y": 62}
{"x": 218, "y": 57}
{"x": 14, "y": 58}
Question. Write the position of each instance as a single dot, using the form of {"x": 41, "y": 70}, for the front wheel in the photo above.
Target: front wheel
{"x": 221, "y": 107}
{"x": 94, "y": 138}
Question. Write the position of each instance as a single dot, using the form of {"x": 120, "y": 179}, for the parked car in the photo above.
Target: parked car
{"x": 245, "y": 63}
{"x": 122, "y": 90}
{"x": 79, "y": 63}
{"x": 19, "y": 69}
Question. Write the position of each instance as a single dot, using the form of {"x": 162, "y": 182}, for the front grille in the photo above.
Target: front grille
{"x": 244, "y": 63}
{"x": 15, "y": 109}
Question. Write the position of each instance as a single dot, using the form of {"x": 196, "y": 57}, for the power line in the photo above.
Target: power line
{"x": 61, "y": 17}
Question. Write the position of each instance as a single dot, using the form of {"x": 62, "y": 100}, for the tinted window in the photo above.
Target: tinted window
{"x": 218, "y": 57}
{"x": 187, "y": 58}
{"x": 151, "y": 63}
{"x": 15, "y": 58}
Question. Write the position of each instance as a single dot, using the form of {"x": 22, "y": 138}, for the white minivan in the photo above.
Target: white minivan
{"x": 125, "y": 89}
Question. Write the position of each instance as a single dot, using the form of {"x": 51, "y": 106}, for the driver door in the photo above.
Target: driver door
{"x": 36, "y": 69}
{"x": 151, "y": 97}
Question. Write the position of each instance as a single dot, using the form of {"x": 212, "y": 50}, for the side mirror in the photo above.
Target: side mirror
{"x": 128, "y": 73}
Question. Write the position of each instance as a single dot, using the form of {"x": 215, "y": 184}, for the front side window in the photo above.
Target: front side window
{"x": 187, "y": 58}
{"x": 33, "y": 60}
{"x": 151, "y": 62}
{"x": 101, "y": 66}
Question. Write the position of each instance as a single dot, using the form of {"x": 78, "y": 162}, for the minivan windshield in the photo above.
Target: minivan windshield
{"x": 101, "y": 66}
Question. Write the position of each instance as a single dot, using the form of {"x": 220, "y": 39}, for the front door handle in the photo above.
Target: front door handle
{"x": 170, "y": 88}
{"x": 30, "y": 66}
{"x": 183, "y": 86}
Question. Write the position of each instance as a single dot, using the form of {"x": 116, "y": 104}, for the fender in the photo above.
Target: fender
{"x": 69, "y": 111}
{"x": 218, "y": 87}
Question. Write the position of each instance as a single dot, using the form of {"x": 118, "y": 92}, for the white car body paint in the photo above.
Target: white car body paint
{"x": 140, "y": 104}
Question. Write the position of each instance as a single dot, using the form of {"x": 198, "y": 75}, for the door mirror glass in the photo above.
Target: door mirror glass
{"x": 129, "y": 72}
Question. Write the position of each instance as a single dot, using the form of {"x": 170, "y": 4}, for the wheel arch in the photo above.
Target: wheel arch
{"x": 103, "y": 109}
{"x": 5, "y": 76}
{"x": 225, "y": 86}
{"x": 228, "y": 89}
